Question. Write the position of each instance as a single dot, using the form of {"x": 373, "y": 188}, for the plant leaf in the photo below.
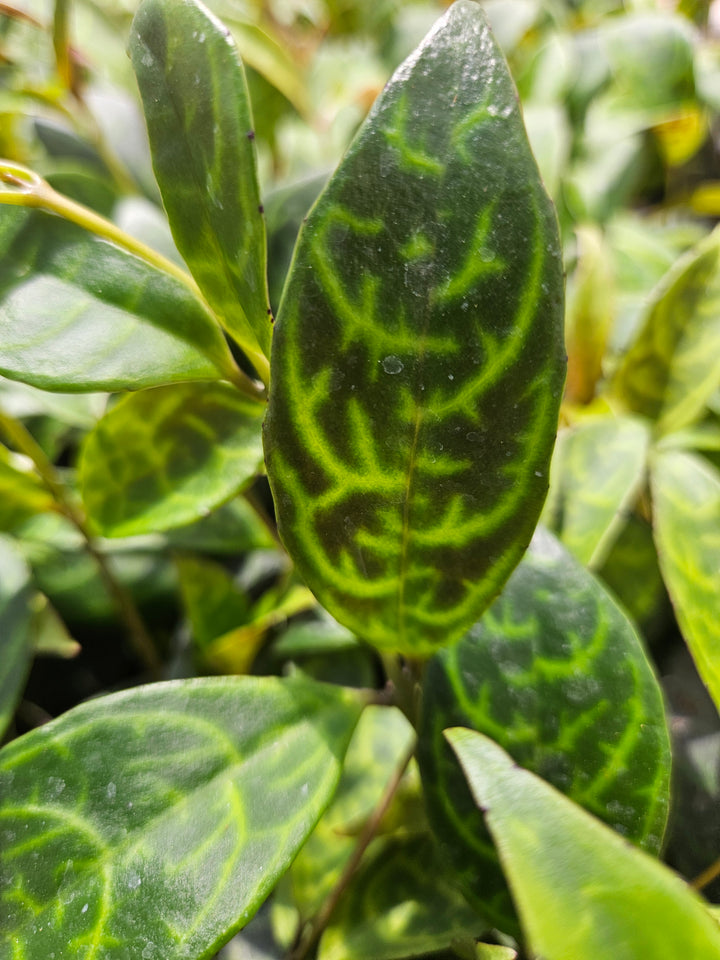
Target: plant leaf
{"x": 686, "y": 519}
{"x": 602, "y": 470}
{"x": 671, "y": 370}
{"x": 15, "y": 622}
{"x": 197, "y": 109}
{"x": 582, "y": 892}
{"x": 400, "y": 904}
{"x": 22, "y": 494}
{"x": 157, "y": 820}
{"x": 418, "y": 361}
{"x": 79, "y": 314}
{"x": 557, "y": 675}
{"x": 162, "y": 458}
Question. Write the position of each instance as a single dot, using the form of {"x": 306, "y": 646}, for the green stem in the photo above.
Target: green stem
{"x": 318, "y": 924}
{"x": 30, "y": 190}
{"x": 23, "y": 441}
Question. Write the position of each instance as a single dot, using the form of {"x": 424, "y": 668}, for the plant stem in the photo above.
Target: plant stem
{"x": 23, "y": 441}
{"x": 707, "y": 876}
{"x": 316, "y": 927}
{"x": 28, "y": 189}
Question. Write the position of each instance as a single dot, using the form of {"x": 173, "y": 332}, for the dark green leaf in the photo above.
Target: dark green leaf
{"x": 162, "y": 458}
{"x": 418, "y": 362}
{"x": 15, "y": 623}
{"x": 155, "y": 822}
{"x": 686, "y": 517}
{"x": 671, "y": 370}
{"x": 556, "y": 674}
{"x": 198, "y": 114}
{"x": 78, "y": 314}
{"x": 582, "y": 892}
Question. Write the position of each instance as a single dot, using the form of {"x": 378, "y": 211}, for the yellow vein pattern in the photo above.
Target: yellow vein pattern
{"x": 418, "y": 360}
{"x": 156, "y": 821}
{"x": 556, "y": 675}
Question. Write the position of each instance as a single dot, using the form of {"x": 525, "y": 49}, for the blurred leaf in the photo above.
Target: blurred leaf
{"x": 78, "y": 313}
{"x": 562, "y": 863}
{"x": 632, "y": 573}
{"x": 322, "y": 634}
{"x": 169, "y": 810}
{"x": 380, "y": 741}
{"x": 233, "y": 528}
{"x": 602, "y": 472}
{"x": 673, "y": 367}
{"x": 22, "y": 493}
{"x": 50, "y": 635}
{"x": 686, "y": 515}
{"x": 145, "y": 221}
{"x": 272, "y": 59}
{"x": 681, "y": 137}
{"x": 196, "y": 105}
{"x": 416, "y": 379}
{"x": 15, "y": 628}
{"x": 557, "y": 675}
{"x": 212, "y": 601}
{"x": 164, "y": 457}
{"x": 399, "y": 904}
{"x": 550, "y": 137}
{"x": 589, "y": 314}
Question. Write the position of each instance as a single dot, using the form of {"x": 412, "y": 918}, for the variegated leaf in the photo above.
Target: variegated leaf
{"x": 418, "y": 361}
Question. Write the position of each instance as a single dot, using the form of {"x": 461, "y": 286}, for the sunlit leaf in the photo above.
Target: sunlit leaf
{"x": 582, "y": 892}
{"x": 15, "y": 624}
{"x": 79, "y": 314}
{"x": 162, "y": 458}
{"x": 198, "y": 114}
{"x": 418, "y": 363}
{"x": 686, "y": 516}
{"x": 157, "y": 820}
{"x": 557, "y": 675}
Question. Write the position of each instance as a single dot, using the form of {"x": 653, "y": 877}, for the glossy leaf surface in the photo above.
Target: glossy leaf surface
{"x": 79, "y": 314}
{"x": 556, "y": 674}
{"x": 602, "y": 470}
{"x": 418, "y": 364}
{"x": 686, "y": 517}
{"x": 672, "y": 368}
{"x": 156, "y": 821}
{"x": 582, "y": 892}
{"x": 198, "y": 114}
{"x": 15, "y": 623}
{"x": 400, "y": 904}
{"x": 162, "y": 458}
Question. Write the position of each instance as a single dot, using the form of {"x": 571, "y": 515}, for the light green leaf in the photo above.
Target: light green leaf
{"x": 157, "y": 820}
{"x": 50, "y": 635}
{"x": 590, "y": 314}
{"x": 15, "y": 624}
{"x": 79, "y": 314}
{"x": 198, "y": 114}
{"x": 162, "y": 458}
{"x": 581, "y": 890}
{"x": 22, "y": 493}
{"x": 602, "y": 471}
{"x": 557, "y": 675}
{"x": 673, "y": 367}
{"x": 400, "y": 904}
{"x": 686, "y": 519}
{"x": 380, "y": 741}
{"x": 418, "y": 359}
{"x": 270, "y": 58}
